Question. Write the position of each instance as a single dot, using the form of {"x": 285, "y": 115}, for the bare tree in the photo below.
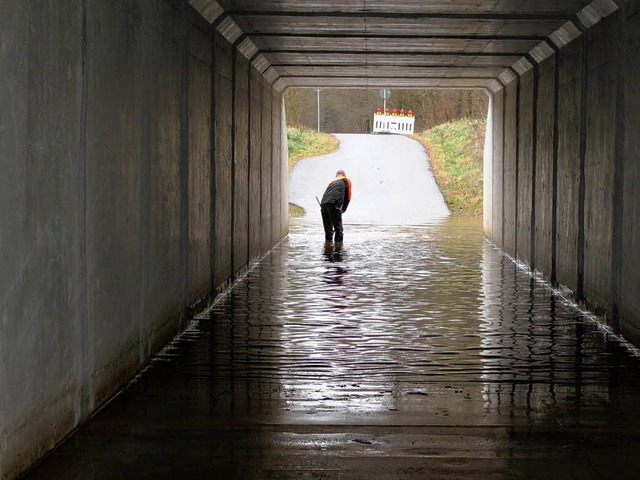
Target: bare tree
{"x": 351, "y": 110}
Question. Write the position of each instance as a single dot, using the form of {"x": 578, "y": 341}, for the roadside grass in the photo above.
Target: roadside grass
{"x": 456, "y": 156}
{"x": 296, "y": 210}
{"x": 304, "y": 143}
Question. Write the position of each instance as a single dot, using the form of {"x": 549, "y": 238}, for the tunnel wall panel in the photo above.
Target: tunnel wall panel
{"x": 164, "y": 256}
{"x": 110, "y": 193}
{"x": 283, "y": 158}
{"x": 497, "y": 162}
{"x": 525, "y": 166}
{"x": 509, "y": 167}
{"x": 276, "y": 173}
{"x": 487, "y": 169}
{"x": 601, "y": 115}
{"x": 255, "y": 167}
{"x": 42, "y": 218}
{"x": 223, "y": 162}
{"x": 241, "y": 164}
{"x": 569, "y": 117}
{"x": 267, "y": 168}
{"x": 281, "y": 177}
{"x": 630, "y": 235}
{"x": 199, "y": 168}
{"x": 114, "y": 196}
{"x": 545, "y": 173}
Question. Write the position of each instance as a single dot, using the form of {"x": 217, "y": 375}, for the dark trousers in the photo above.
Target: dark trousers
{"x": 332, "y": 221}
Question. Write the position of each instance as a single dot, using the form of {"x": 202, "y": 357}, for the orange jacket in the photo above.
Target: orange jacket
{"x": 347, "y": 194}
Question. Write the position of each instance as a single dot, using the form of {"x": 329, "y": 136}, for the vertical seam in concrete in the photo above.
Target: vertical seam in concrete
{"x": 517, "y": 168}
{"x": 534, "y": 159}
{"x": 212, "y": 169}
{"x": 554, "y": 170}
{"x": 234, "y": 55}
{"x": 273, "y": 238}
{"x": 516, "y": 163}
{"x": 261, "y": 164}
{"x": 260, "y": 226}
{"x": 276, "y": 161}
{"x": 214, "y": 174}
{"x": 184, "y": 168}
{"x": 504, "y": 149}
{"x": 494, "y": 157}
{"x": 249, "y": 229}
{"x": 85, "y": 400}
{"x": 234, "y": 120}
{"x": 618, "y": 172}
{"x": 278, "y": 148}
{"x": 583, "y": 154}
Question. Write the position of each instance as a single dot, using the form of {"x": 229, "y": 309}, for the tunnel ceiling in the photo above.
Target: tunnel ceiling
{"x": 407, "y": 43}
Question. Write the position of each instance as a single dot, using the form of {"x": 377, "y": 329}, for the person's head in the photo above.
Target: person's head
{"x": 340, "y": 172}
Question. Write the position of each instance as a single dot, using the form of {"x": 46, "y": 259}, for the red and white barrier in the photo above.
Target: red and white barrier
{"x": 393, "y": 122}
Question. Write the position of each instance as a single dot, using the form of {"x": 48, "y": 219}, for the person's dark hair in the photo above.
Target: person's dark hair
{"x": 340, "y": 172}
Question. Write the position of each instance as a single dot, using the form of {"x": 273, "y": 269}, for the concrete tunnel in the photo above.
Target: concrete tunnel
{"x": 143, "y": 160}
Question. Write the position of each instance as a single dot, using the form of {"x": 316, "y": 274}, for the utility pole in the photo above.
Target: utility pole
{"x": 318, "y": 96}
{"x": 384, "y": 94}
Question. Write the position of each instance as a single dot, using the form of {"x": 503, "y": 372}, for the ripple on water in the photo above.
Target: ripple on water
{"x": 411, "y": 307}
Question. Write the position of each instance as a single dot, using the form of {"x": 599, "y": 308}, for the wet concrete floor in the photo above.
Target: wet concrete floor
{"x": 413, "y": 352}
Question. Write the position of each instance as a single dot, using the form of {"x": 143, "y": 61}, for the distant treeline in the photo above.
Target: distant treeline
{"x": 351, "y": 110}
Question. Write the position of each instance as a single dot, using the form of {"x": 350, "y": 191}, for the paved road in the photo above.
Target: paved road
{"x": 392, "y": 183}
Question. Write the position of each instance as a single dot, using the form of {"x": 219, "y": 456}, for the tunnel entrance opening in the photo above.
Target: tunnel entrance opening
{"x": 394, "y": 177}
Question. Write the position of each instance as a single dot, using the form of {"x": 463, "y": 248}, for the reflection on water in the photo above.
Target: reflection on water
{"x": 410, "y": 352}
{"x": 336, "y": 277}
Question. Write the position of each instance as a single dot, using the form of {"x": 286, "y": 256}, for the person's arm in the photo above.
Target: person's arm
{"x": 347, "y": 194}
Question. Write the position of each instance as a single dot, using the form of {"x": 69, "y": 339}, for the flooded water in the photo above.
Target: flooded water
{"x": 412, "y": 352}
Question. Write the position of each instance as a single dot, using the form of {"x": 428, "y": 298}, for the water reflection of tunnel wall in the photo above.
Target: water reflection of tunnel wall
{"x": 546, "y": 365}
{"x": 125, "y": 197}
{"x": 551, "y": 359}
{"x": 564, "y": 169}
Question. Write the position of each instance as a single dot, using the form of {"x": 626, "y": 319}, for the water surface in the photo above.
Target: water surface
{"x": 412, "y": 352}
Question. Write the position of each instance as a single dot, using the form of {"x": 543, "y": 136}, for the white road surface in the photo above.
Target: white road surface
{"x": 392, "y": 182}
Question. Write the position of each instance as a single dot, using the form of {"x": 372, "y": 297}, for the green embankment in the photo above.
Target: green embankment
{"x": 305, "y": 143}
{"x": 455, "y": 153}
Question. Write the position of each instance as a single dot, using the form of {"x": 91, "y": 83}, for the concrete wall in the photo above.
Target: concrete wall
{"x": 570, "y": 85}
{"x": 255, "y": 167}
{"x": 267, "y": 168}
{"x": 240, "y": 232}
{"x": 545, "y": 172}
{"x": 599, "y": 160}
{"x": 487, "y": 170}
{"x": 577, "y": 219}
{"x": 223, "y": 172}
{"x": 510, "y": 168}
{"x": 138, "y": 162}
{"x": 497, "y": 128}
{"x": 525, "y": 167}
{"x": 629, "y": 244}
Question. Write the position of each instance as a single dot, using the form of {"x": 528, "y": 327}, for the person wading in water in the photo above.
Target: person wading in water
{"x": 334, "y": 203}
